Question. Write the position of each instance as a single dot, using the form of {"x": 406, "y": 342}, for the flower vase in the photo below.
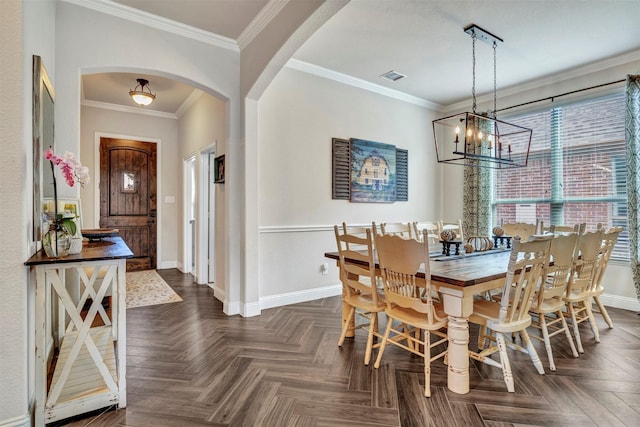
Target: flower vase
{"x": 56, "y": 242}
{"x": 76, "y": 239}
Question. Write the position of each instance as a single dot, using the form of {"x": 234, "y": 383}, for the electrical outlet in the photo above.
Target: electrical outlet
{"x": 324, "y": 268}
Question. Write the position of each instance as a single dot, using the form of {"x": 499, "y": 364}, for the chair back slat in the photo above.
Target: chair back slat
{"x": 526, "y": 269}
{"x": 521, "y": 229}
{"x": 609, "y": 239}
{"x": 562, "y": 258}
{"x": 433, "y": 231}
{"x": 397, "y": 229}
{"x": 585, "y": 266}
{"x": 360, "y": 277}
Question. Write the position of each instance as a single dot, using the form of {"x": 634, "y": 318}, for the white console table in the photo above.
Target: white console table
{"x": 88, "y": 347}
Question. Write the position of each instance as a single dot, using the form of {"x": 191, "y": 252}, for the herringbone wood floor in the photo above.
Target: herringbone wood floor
{"x": 190, "y": 365}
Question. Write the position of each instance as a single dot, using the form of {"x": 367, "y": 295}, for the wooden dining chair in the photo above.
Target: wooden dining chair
{"x": 356, "y": 230}
{"x": 433, "y": 231}
{"x": 609, "y": 239}
{"x": 402, "y": 229}
{"x": 521, "y": 229}
{"x": 527, "y": 268}
{"x": 579, "y": 228}
{"x": 358, "y": 294}
{"x": 455, "y": 226}
{"x": 578, "y": 297}
{"x": 410, "y": 306}
{"x": 548, "y": 304}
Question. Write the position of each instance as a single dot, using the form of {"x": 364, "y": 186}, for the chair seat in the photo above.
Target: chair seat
{"x": 488, "y": 312}
{"x": 365, "y": 302}
{"x": 577, "y": 297}
{"x": 419, "y": 320}
{"x": 547, "y": 306}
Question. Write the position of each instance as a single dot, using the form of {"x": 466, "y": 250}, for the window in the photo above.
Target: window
{"x": 576, "y": 170}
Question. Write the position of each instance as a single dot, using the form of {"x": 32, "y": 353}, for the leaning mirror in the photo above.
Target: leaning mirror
{"x": 43, "y": 129}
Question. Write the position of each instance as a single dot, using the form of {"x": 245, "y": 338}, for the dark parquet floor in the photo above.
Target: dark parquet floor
{"x": 190, "y": 365}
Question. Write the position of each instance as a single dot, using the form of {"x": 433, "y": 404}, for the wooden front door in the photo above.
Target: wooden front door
{"x": 128, "y": 196}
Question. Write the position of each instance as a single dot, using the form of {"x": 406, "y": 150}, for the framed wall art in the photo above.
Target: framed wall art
{"x": 219, "y": 172}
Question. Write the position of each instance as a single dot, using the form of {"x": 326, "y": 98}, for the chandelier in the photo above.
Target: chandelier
{"x": 141, "y": 97}
{"x": 480, "y": 139}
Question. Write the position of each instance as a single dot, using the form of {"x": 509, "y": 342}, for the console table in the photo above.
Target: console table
{"x": 86, "y": 346}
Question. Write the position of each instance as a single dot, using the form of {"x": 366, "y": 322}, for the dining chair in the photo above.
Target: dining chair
{"x": 433, "y": 231}
{"x": 548, "y": 305}
{"x": 356, "y": 230}
{"x": 521, "y": 229}
{"x": 576, "y": 228}
{"x": 402, "y": 229}
{"x": 609, "y": 239}
{"x": 410, "y": 307}
{"x": 358, "y": 294}
{"x": 578, "y": 297}
{"x": 526, "y": 269}
{"x": 455, "y": 226}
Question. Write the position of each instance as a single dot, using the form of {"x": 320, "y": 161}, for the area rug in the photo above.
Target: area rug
{"x": 148, "y": 288}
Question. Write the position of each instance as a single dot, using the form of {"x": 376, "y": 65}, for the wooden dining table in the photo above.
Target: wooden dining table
{"x": 458, "y": 279}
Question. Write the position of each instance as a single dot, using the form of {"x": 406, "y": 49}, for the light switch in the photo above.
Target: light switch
{"x": 169, "y": 199}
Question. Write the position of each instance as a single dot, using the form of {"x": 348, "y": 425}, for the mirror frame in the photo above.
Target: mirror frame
{"x": 41, "y": 87}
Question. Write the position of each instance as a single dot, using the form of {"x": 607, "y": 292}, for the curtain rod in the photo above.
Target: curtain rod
{"x": 562, "y": 94}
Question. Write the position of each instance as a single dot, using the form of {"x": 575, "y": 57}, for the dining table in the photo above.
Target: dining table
{"x": 458, "y": 278}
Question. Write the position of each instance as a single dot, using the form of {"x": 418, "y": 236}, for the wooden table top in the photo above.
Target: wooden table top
{"x": 108, "y": 248}
{"x": 464, "y": 270}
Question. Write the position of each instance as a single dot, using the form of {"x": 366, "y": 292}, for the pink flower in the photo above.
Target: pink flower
{"x": 71, "y": 168}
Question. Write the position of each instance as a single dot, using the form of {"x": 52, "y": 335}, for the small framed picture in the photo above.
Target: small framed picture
{"x": 219, "y": 172}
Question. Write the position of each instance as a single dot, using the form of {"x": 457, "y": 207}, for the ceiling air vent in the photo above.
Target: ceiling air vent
{"x": 392, "y": 75}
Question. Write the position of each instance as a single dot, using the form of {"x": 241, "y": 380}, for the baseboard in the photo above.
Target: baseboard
{"x": 625, "y": 303}
{"x": 169, "y": 264}
{"x": 21, "y": 421}
{"x": 300, "y": 296}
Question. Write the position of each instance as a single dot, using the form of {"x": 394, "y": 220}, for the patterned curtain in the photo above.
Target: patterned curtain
{"x": 476, "y": 203}
{"x": 633, "y": 172}
{"x": 477, "y": 192}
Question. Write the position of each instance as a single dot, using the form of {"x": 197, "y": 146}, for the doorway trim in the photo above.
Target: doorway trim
{"x": 189, "y": 257}
{"x": 205, "y": 216}
{"x": 96, "y": 184}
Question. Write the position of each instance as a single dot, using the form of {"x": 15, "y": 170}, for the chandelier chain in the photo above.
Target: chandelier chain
{"x": 495, "y": 85}
{"x": 473, "y": 86}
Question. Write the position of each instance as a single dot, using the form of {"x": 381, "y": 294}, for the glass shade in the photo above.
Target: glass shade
{"x": 142, "y": 98}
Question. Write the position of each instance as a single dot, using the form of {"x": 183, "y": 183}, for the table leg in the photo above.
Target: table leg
{"x": 458, "y": 357}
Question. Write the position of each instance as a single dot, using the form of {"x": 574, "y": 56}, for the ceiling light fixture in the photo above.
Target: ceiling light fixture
{"x": 481, "y": 140}
{"x": 141, "y": 97}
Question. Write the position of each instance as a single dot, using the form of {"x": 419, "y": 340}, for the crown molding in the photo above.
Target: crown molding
{"x": 259, "y": 23}
{"x": 157, "y": 22}
{"x": 191, "y": 99}
{"x": 552, "y": 79}
{"x": 359, "y": 83}
{"x": 129, "y": 110}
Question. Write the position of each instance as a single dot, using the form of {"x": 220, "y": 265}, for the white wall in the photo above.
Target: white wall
{"x": 203, "y": 125}
{"x": 141, "y": 127}
{"x": 298, "y": 115}
{"x": 26, "y": 28}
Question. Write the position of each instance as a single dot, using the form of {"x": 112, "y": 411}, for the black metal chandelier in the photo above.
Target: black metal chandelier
{"x": 480, "y": 139}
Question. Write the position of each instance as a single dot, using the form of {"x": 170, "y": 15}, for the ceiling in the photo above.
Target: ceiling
{"x": 422, "y": 39}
